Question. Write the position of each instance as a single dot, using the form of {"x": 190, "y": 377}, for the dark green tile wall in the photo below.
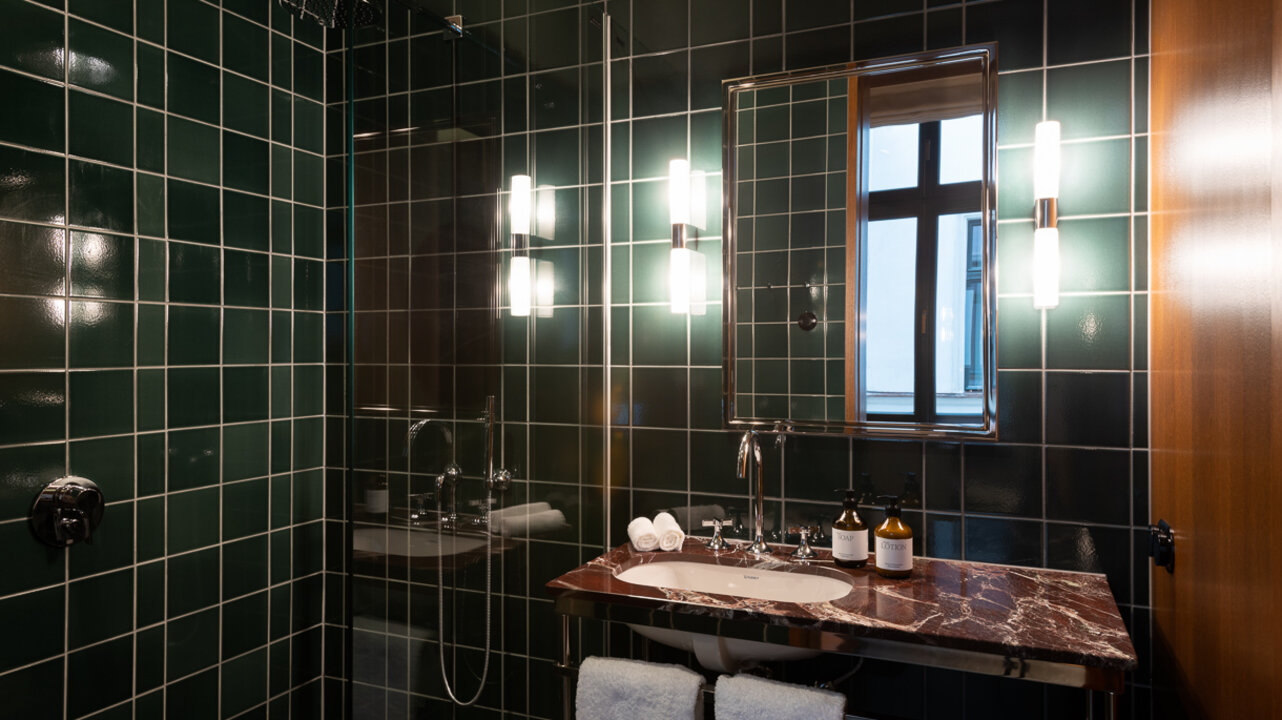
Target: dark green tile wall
{"x": 1065, "y": 487}
{"x": 134, "y": 350}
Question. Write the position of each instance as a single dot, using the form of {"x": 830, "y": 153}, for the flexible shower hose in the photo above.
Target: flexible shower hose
{"x": 440, "y": 609}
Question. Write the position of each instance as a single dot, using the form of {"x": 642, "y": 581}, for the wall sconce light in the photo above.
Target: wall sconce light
{"x": 520, "y": 281}
{"x": 687, "y": 269}
{"x": 1046, "y": 215}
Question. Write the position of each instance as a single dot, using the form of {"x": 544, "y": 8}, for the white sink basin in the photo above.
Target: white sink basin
{"x": 412, "y": 543}
{"x": 741, "y": 582}
{"x": 722, "y": 654}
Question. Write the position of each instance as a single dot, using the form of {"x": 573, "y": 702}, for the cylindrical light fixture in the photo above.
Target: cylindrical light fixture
{"x": 1046, "y": 164}
{"x": 685, "y": 281}
{"x": 520, "y": 281}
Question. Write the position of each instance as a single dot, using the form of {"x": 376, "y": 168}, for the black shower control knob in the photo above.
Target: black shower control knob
{"x": 807, "y": 321}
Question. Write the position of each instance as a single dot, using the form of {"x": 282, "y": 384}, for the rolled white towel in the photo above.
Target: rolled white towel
{"x": 613, "y": 689}
{"x": 670, "y": 535}
{"x": 523, "y": 509}
{"x": 744, "y": 697}
{"x": 641, "y": 533}
{"x": 532, "y": 524}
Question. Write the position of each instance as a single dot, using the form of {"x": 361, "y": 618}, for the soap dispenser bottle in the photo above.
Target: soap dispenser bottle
{"x": 849, "y": 535}
{"x": 894, "y": 547}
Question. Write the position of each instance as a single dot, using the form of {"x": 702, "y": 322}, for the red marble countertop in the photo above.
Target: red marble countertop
{"x": 1019, "y": 612}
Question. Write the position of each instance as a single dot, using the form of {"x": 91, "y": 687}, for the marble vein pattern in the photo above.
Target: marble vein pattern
{"x": 1017, "y": 612}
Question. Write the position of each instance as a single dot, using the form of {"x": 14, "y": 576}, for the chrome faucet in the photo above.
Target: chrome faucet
{"x": 750, "y": 449}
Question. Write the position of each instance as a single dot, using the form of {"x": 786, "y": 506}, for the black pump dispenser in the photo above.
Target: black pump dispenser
{"x": 892, "y": 504}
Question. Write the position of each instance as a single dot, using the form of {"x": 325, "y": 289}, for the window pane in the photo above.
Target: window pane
{"x": 891, "y": 285}
{"x": 959, "y": 354}
{"x": 892, "y": 157}
{"x": 961, "y": 142}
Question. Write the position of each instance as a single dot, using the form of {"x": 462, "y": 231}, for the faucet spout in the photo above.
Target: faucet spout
{"x": 749, "y": 451}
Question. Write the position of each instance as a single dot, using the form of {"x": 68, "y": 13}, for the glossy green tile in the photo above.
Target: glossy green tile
{"x": 195, "y": 696}
{"x": 309, "y": 390}
{"x": 308, "y": 495}
{"x": 151, "y": 149}
{"x": 101, "y": 334}
{"x": 1019, "y": 406}
{"x": 189, "y": 29}
{"x": 151, "y": 399}
{"x": 1004, "y": 479}
{"x": 193, "y": 643}
{"x": 1014, "y": 192}
{"x": 1000, "y": 540}
{"x": 151, "y": 76}
{"x": 245, "y": 624}
{"x": 246, "y": 336}
{"x": 245, "y": 505}
{"x": 1088, "y": 485}
{"x": 153, "y": 265}
{"x": 308, "y": 443}
{"x": 309, "y": 331}
{"x": 30, "y": 641}
{"x": 149, "y": 661}
{"x": 1090, "y": 100}
{"x": 245, "y": 566}
{"x": 199, "y": 389}
{"x": 94, "y": 11}
{"x": 1019, "y": 333}
{"x": 282, "y": 384}
{"x": 191, "y": 524}
{"x": 102, "y": 196}
{"x": 1088, "y": 30}
{"x": 193, "y": 88}
{"x": 33, "y": 331}
{"x": 27, "y": 691}
{"x": 193, "y": 212}
{"x": 193, "y": 150}
{"x": 245, "y": 106}
{"x": 309, "y": 174}
{"x": 1095, "y": 179}
{"x": 101, "y": 129}
{"x": 1094, "y": 254}
{"x": 245, "y": 221}
{"x": 1016, "y": 29}
{"x": 43, "y": 195}
{"x": 245, "y": 394}
{"x": 32, "y": 40}
{"x": 1091, "y": 409}
{"x": 282, "y": 115}
{"x": 104, "y": 673}
{"x": 282, "y": 441}
{"x": 282, "y": 279}
{"x": 282, "y": 165}
{"x": 1019, "y": 107}
{"x": 113, "y": 545}
{"x": 309, "y": 73}
{"x": 245, "y": 163}
{"x": 99, "y": 608}
{"x": 244, "y": 682}
{"x": 194, "y": 273}
{"x": 151, "y": 206}
{"x": 193, "y": 458}
{"x": 309, "y": 233}
{"x": 660, "y": 336}
{"x": 101, "y": 402}
{"x": 150, "y": 597}
{"x": 151, "y": 335}
{"x": 150, "y": 449}
{"x": 281, "y": 341}
{"x": 36, "y": 112}
{"x": 193, "y": 581}
{"x": 245, "y": 47}
{"x": 245, "y": 279}
{"x": 102, "y": 266}
{"x": 32, "y": 259}
{"x": 309, "y": 125}
{"x": 100, "y": 60}
{"x": 1089, "y": 332}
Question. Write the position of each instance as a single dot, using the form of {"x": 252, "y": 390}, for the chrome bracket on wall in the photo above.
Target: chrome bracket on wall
{"x": 67, "y": 511}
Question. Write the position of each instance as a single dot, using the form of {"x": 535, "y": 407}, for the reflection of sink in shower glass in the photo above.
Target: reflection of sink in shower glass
{"x": 413, "y": 543}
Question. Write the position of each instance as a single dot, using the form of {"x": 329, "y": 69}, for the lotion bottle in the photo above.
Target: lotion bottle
{"x": 849, "y": 535}
{"x": 894, "y": 548}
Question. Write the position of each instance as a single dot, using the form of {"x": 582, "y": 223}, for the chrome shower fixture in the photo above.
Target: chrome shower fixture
{"x": 335, "y": 13}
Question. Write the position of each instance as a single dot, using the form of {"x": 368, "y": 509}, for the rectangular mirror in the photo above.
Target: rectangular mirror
{"x": 860, "y": 245}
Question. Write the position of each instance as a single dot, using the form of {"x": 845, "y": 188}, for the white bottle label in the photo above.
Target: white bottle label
{"x": 850, "y": 545}
{"x": 895, "y": 553}
{"x": 376, "y": 501}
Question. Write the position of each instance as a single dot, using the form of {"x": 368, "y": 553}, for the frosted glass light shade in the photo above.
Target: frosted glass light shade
{"x": 520, "y": 285}
{"x": 1045, "y": 268}
{"x": 1046, "y": 160}
{"x": 679, "y": 191}
{"x": 518, "y": 205}
{"x": 687, "y": 282}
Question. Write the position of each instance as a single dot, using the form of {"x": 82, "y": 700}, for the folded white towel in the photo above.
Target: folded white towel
{"x": 744, "y": 697}
{"x": 613, "y": 689}
{"x": 523, "y": 509}
{"x": 641, "y": 533}
{"x": 669, "y": 532}
{"x": 692, "y": 517}
{"x": 532, "y": 524}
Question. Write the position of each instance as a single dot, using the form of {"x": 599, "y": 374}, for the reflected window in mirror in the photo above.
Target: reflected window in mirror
{"x": 860, "y": 212}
